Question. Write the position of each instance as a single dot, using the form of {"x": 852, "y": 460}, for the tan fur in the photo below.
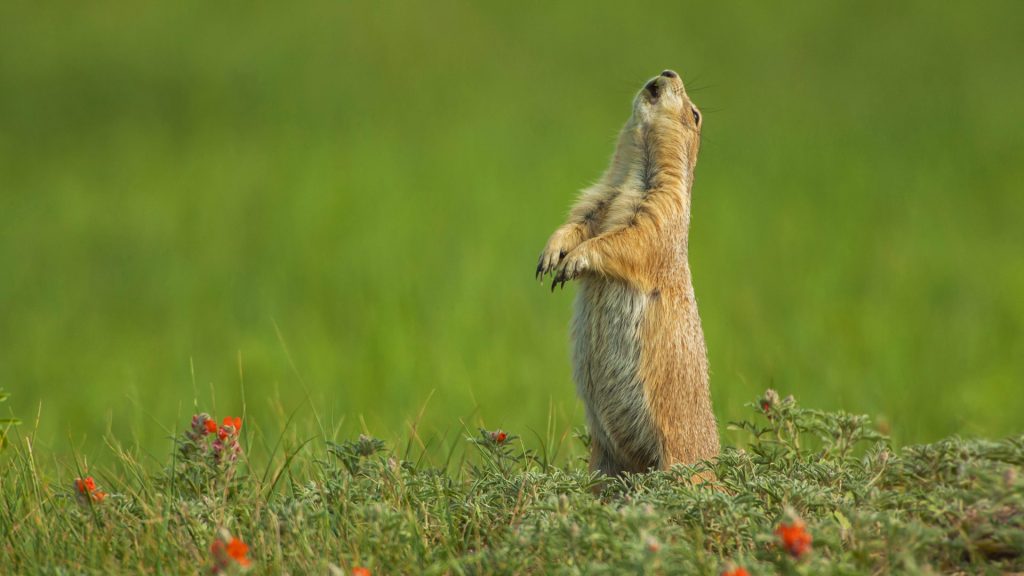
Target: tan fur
{"x": 639, "y": 358}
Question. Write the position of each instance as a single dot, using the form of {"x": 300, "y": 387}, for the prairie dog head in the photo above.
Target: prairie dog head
{"x": 663, "y": 101}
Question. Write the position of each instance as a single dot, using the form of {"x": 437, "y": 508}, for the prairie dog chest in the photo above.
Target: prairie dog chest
{"x": 622, "y": 209}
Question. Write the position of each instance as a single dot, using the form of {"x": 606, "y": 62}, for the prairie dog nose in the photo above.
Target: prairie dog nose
{"x": 669, "y": 74}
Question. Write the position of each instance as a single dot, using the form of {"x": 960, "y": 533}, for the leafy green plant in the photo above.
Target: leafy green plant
{"x": 811, "y": 493}
{"x": 206, "y": 462}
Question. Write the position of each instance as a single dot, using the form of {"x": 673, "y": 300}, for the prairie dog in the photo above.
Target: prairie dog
{"x": 639, "y": 358}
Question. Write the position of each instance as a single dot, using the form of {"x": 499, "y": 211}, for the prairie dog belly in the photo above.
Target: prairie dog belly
{"x": 607, "y": 348}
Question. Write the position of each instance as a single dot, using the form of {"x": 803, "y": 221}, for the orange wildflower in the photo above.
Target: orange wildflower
{"x": 211, "y": 426}
{"x": 239, "y": 551}
{"x": 86, "y": 488}
{"x": 85, "y": 485}
{"x": 224, "y": 552}
{"x": 652, "y": 545}
{"x": 738, "y": 571}
{"x": 795, "y": 538}
{"x": 360, "y": 571}
{"x": 230, "y": 427}
{"x": 499, "y": 436}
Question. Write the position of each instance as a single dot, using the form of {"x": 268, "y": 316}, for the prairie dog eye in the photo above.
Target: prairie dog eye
{"x": 696, "y": 116}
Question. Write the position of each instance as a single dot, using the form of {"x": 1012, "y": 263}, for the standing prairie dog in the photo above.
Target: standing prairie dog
{"x": 639, "y": 359}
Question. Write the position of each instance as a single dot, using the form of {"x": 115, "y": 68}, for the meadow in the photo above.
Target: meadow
{"x": 324, "y": 218}
{"x": 342, "y": 205}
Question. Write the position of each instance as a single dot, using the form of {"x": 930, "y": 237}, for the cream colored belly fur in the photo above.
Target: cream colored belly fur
{"x": 607, "y": 330}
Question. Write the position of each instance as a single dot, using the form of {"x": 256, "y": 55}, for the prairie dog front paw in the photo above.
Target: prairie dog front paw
{"x": 572, "y": 266}
{"x": 563, "y": 241}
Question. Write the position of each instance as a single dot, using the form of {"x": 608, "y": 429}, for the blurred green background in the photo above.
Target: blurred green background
{"x": 347, "y": 200}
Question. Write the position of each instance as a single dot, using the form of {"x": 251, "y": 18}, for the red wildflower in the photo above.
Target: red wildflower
{"x": 86, "y": 488}
{"x": 226, "y": 552}
{"x": 652, "y": 545}
{"x": 230, "y": 427}
{"x": 211, "y": 426}
{"x": 86, "y": 485}
{"x": 738, "y": 571}
{"x": 360, "y": 571}
{"x": 499, "y": 436}
{"x": 239, "y": 551}
{"x": 795, "y": 538}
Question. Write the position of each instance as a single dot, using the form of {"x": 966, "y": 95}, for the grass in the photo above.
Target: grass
{"x": 258, "y": 210}
{"x": 511, "y": 505}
